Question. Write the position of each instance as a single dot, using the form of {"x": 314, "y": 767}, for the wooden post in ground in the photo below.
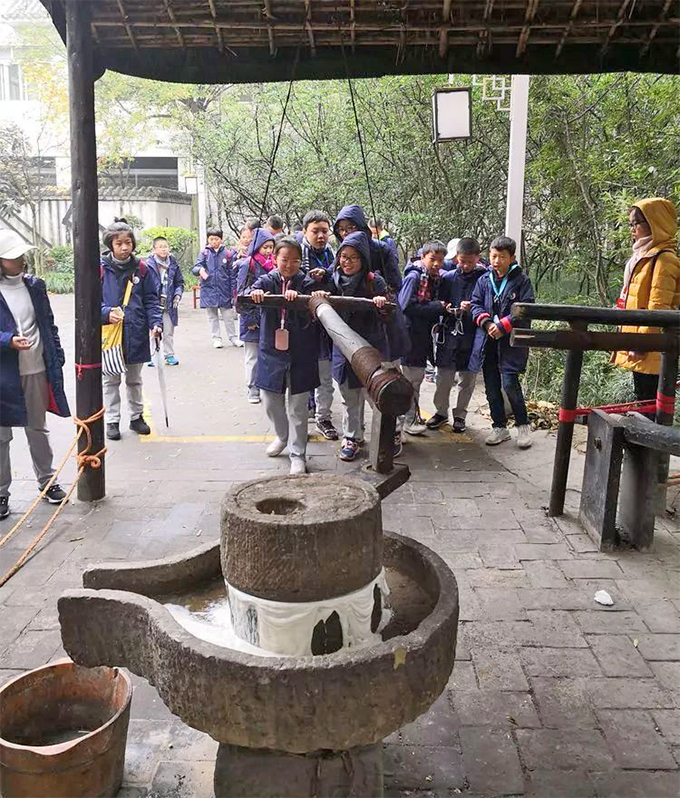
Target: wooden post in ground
{"x": 665, "y": 409}
{"x": 84, "y": 198}
{"x": 565, "y": 431}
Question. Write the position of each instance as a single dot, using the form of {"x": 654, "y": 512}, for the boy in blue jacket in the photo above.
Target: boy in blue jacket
{"x": 454, "y": 334}
{"x": 420, "y": 300}
{"x": 170, "y": 289}
{"x": 214, "y": 267}
{"x": 141, "y": 316}
{"x": 248, "y": 270}
{"x": 31, "y": 361}
{"x": 501, "y": 363}
{"x": 287, "y": 366}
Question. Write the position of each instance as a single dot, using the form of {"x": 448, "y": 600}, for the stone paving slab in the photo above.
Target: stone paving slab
{"x": 552, "y": 694}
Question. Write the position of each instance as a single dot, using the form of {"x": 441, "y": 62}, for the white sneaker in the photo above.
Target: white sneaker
{"x": 254, "y": 397}
{"x": 234, "y": 341}
{"x": 414, "y": 428}
{"x": 498, "y": 435}
{"x": 298, "y": 465}
{"x": 217, "y": 343}
{"x": 275, "y": 448}
{"x": 524, "y": 436}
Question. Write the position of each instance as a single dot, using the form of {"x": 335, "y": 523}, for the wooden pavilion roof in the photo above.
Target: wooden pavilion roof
{"x": 228, "y": 41}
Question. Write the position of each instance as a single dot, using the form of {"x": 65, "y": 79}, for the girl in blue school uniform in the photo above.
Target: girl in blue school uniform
{"x": 214, "y": 267}
{"x": 352, "y": 276}
{"x": 248, "y": 270}
{"x": 287, "y": 365}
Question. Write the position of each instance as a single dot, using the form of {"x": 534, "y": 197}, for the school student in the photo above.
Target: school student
{"x": 258, "y": 261}
{"x": 317, "y": 259}
{"x": 142, "y": 313}
{"x": 421, "y": 302}
{"x": 274, "y": 225}
{"x": 31, "y": 361}
{"x": 501, "y": 364}
{"x": 214, "y": 267}
{"x": 287, "y": 366}
{"x": 352, "y": 276}
{"x": 170, "y": 289}
{"x": 453, "y": 337}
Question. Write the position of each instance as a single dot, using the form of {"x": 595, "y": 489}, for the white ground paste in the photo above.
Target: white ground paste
{"x": 283, "y": 628}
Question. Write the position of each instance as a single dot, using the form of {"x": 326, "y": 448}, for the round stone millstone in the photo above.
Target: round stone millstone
{"x": 301, "y": 538}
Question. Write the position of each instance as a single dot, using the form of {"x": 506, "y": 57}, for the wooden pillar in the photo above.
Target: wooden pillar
{"x": 84, "y": 198}
{"x": 668, "y": 376}
{"x": 565, "y": 431}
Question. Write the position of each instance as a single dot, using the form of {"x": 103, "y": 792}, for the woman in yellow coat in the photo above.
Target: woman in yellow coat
{"x": 651, "y": 282}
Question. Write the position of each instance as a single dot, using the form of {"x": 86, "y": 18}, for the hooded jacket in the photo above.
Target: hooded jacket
{"x": 247, "y": 271}
{"x": 384, "y": 259}
{"x": 143, "y": 312}
{"x": 300, "y": 362}
{"x": 655, "y": 281}
{"x": 12, "y": 403}
{"x": 370, "y": 326}
{"x": 455, "y": 348}
{"x": 175, "y": 284}
{"x": 420, "y": 315}
{"x": 217, "y": 291}
{"x": 486, "y": 307}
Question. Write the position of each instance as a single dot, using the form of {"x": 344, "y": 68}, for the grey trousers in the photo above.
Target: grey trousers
{"x": 466, "y": 386}
{"x": 36, "y": 396}
{"x": 133, "y": 384}
{"x": 323, "y": 395}
{"x": 168, "y": 335}
{"x": 228, "y": 316}
{"x": 289, "y": 418}
{"x": 415, "y": 375}
{"x": 352, "y": 412}
{"x": 250, "y": 352}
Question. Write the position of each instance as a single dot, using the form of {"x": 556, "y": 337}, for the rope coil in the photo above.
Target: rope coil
{"x": 84, "y": 459}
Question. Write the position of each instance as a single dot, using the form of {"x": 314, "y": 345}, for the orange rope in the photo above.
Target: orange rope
{"x": 84, "y": 459}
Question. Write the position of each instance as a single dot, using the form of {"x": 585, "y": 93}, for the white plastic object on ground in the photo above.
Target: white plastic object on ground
{"x": 602, "y": 597}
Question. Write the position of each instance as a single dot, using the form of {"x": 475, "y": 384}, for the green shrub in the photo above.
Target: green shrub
{"x": 59, "y": 282}
{"x": 59, "y": 259}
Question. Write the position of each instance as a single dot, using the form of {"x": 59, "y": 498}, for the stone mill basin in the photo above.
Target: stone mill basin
{"x": 353, "y": 697}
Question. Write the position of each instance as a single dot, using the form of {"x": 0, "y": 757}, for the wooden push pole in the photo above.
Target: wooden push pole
{"x": 84, "y": 198}
{"x": 565, "y": 431}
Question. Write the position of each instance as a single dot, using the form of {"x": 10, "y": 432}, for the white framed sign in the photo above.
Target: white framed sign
{"x": 451, "y": 114}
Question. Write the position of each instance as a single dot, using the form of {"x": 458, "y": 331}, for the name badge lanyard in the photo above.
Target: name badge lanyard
{"x": 498, "y": 292}
{"x": 281, "y": 338}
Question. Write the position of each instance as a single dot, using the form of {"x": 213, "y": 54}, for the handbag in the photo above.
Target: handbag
{"x": 113, "y": 360}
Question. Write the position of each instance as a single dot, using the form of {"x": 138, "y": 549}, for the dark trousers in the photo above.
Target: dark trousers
{"x": 645, "y": 386}
{"x": 494, "y": 381}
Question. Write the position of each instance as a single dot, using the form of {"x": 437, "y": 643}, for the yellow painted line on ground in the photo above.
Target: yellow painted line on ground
{"x": 155, "y": 438}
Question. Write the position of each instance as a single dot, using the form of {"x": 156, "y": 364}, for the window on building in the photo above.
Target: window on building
{"x": 147, "y": 171}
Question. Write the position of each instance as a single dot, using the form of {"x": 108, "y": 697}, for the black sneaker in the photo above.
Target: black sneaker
{"x": 113, "y": 432}
{"x": 4, "y": 506}
{"x": 458, "y": 424}
{"x": 140, "y": 426}
{"x": 436, "y": 421}
{"x": 327, "y": 429}
{"x": 55, "y": 495}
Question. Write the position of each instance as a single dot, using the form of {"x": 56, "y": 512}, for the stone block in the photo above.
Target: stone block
{"x": 635, "y": 784}
{"x": 498, "y": 670}
{"x": 557, "y": 783}
{"x": 190, "y": 744}
{"x": 499, "y": 555}
{"x": 499, "y": 604}
{"x": 422, "y": 768}
{"x": 183, "y": 780}
{"x": 668, "y": 673}
{"x": 30, "y": 650}
{"x": 564, "y": 749}
{"x": 591, "y": 569}
{"x": 634, "y": 740}
{"x": 491, "y": 762}
{"x": 559, "y": 662}
{"x": 437, "y": 727}
{"x": 564, "y": 703}
{"x": 611, "y": 622}
{"x": 611, "y": 693}
{"x": 495, "y": 708}
{"x": 544, "y": 573}
{"x": 659, "y": 646}
{"x": 668, "y": 721}
{"x": 540, "y": 551}
{"x": 463, "y": 677}
{"x": 556, "y": 629}
{"x": 659, "y": 616}
{"x": 618, "y": 656}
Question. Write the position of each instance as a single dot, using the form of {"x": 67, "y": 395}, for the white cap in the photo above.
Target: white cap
{"x": 12, "y": 245}
{"x": 452, "y": 248}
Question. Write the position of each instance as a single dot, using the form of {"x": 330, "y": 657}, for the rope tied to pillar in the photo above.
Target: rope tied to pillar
{"x": 84, "y": 459}
{"x": 81, "y": 367}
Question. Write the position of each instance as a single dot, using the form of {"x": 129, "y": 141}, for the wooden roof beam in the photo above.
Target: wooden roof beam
{"x": 173, "y": 20}
{"x": 128, "y": 29}
{"x": 663, "y": 16}
{"x": 353, "y": 23}
{"x": 616, "y": 25}
{"x": 308, "y": 26}
{"x": 270, "y": 30}
{"x": 443, "y": 31}
{"x": 572, "y": 18}
{"x": 526, "y": 30}
{"x": 213, "y": 14}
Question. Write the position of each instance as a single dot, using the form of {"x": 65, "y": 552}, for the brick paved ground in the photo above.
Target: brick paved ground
{"x": 552, "y": 694}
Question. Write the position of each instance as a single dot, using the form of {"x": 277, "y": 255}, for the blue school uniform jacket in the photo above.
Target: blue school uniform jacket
{"x": 247, "y": 271}
{"x": 487, "y": 307}
{"x": 143, "y": 312}
{"x": 370, "y": 326}
{"x": 301, "y": 357}
{"x": 217, "y": 291}
{"x": 420, "y": 316}
{"x": 456, "y": 287}
{"x": 175, "y": 284}
{"x": 12, "y": 403}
